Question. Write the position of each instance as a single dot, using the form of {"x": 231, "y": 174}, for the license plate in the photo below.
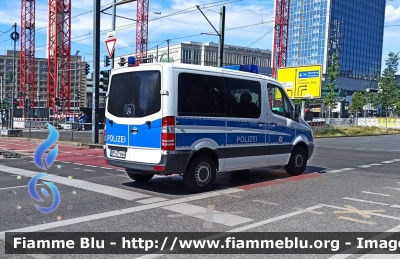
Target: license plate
{"x": 117, "y": 153}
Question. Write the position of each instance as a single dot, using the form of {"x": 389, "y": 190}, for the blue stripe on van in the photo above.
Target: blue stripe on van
{"x": 147, "y": 137}
{"x": 116, "y": 134}
{"x": 187, "y": 139}
{"x": 245, "y": 138}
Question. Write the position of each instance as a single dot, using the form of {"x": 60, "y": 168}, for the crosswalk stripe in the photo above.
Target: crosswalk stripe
{"x": 201, "y": 213}
{"x": 103, "y": 189}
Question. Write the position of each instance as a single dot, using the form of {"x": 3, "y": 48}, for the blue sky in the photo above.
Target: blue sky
{"x": 256, "y": 15}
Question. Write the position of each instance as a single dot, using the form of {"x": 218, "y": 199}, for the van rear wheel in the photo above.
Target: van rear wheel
{"x": 200, "y": 174}
{"x": 139, "y": 177}
{"x": 297, "y": 162}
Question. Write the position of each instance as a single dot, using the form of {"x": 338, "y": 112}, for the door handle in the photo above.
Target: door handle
{"x": 134, "y": 130}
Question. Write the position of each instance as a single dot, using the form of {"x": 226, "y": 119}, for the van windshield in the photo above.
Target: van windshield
{"x": 135, "y": 94}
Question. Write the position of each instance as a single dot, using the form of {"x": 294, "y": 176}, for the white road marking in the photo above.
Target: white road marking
{"x": 151, "y": 200}
{"x": 88, "y": 170}
{"x": 91, "y": 165}
{"x": 396, "y": 160}
{"x": 76, "y": 168}
{"x": 241, "y": 229}
{"x": 103, "y": 189}
{"x": 66, "y": 162}
{"x": 354, "y": 249}
{"x": 395, "y": 206}
{"x": 18, "y": 186}
{"x": 369, "y": 213}
{"x": 377, "y": 193}
{"x": 387, "y": 162}
{"x": 200, "y": 212}
{"x": 347, "y": 169}
{"x": 77, "y": 164}
{"x": 106, "y": 168}
{"x": 376, "y": 164}
{"x": 108, "y": 214}
{"x": 364, "y": 166}
{"x": 379, "y": 254}
{"x": 373, "y": 202}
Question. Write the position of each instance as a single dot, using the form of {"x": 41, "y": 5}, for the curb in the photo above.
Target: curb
{"x": 353, "y": 136}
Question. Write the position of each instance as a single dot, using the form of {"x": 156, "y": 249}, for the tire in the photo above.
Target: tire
{"x": 140, "y": 177}
{"x": 200, "y": 174}
{"x": 297, "y": 162}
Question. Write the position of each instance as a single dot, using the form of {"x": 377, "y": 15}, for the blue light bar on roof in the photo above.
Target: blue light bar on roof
{"x": 244, "y": 68}
{"x": 131, "y": 62}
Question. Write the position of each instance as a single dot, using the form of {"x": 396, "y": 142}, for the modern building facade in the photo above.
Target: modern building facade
{"x": 353, "y": 30}
{"x": 78, "y": 79}
{"x": 206, "y": 54}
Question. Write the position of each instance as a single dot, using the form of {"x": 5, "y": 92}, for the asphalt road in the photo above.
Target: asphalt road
{"x": 351, "y": 185}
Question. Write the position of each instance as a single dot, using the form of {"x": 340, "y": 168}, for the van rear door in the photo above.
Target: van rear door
{"x": 134, "y": 115}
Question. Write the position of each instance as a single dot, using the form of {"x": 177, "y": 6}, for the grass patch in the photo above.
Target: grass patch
{"x": 330, "y": 131}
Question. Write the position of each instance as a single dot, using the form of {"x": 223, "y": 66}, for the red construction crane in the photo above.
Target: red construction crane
{"x": 142, "y": 19}
{"x": 59, "y": 56}
{"x": 27, "y": 53}
{"x": 281, "y": 31}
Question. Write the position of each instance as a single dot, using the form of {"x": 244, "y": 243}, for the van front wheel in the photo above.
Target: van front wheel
{"x": 297, "y": 162}
{"x": 140, "y": 177}
{"x": 200, "y": 174}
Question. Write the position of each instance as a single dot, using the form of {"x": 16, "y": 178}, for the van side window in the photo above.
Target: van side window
{"x": 243, "y": 98}
{"x": 279, "y": 103}
{"x": 200, "y": 95}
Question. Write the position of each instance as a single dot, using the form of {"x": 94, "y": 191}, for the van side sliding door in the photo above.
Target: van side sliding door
{"x": 246, "y": 122}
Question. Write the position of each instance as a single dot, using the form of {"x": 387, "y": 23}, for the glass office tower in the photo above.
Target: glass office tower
{"x": 352, "y": 29}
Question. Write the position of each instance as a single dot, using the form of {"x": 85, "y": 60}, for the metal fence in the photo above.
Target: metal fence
{"x": 69, "y": 131}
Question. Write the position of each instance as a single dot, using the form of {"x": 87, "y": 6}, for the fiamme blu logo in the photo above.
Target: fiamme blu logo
{"x": 44, "y": 162}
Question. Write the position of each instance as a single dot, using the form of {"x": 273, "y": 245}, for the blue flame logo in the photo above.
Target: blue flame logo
{"x": 32, "y": 191}
{"x": 42, "y": 148}
{"x": 45, "y": 163}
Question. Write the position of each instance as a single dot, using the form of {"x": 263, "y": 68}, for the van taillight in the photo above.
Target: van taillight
{"x": 168, "y": 133}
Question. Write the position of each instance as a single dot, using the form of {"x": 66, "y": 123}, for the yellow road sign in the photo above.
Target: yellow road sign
{"x": 301, "y": 82}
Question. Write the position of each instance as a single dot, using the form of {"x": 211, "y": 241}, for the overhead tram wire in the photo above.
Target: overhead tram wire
{"x": 129, "y": 25}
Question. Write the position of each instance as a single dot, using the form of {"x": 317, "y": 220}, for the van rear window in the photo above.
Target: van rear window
{"x": 135, "y": 94}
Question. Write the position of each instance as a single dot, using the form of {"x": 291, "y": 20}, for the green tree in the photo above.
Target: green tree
{"x": 357, "y": 102}
{"x": 390, "y": 93}
{"x": 333, "y": 73}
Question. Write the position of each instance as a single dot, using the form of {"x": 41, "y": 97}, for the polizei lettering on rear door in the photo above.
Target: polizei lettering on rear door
{"x": 246, "y": 139}
{"x": 116, "y": 139}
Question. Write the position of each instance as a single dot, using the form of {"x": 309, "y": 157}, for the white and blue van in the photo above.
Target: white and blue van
{"x": 196, "y": 121}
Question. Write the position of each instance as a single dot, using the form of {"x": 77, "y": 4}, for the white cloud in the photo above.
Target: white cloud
{"x": 392, "y": 14}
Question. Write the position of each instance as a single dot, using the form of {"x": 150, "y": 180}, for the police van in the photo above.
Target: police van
{"x": 196, "y": 121}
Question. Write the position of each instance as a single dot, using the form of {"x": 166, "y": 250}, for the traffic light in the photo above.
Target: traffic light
{"x": 122, "y": 61}
{"x": 87, "y": 69}
{"x": 15, "y": 103}
{"x": 105, "y": 79}
{"x": 106, "y": 61}
{"x": 20, "y": 94}
{"x": 58, "y": 101}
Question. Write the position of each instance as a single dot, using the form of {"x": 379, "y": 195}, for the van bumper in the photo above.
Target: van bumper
{"x": 168, "y": 165}
{"x": 310, "y": 150}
